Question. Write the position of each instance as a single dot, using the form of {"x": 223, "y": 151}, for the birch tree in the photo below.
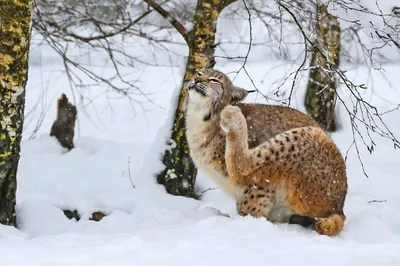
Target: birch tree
{"x": 15, "y": 34}
{"x": 320, "y": 97}
{"x": 179, "y": 174}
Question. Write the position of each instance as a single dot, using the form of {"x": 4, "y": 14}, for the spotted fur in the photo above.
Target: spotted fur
{"x": 210, "y": 91}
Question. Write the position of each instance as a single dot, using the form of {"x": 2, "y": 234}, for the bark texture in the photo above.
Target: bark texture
{"x": 320, "y": 97}
{"x": 15, "y": 34}
{"x": 179, "y": 174}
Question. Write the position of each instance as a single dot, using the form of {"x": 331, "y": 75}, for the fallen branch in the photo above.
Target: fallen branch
{"x": 377, "y": 201}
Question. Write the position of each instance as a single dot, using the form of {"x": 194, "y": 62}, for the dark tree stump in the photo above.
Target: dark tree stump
{"x": 72, "y": 214}
{"x": 96, "y": 216}
{"x": 64, "y": 126}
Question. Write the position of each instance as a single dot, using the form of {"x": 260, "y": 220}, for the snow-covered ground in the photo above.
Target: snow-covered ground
{"x": 112, "y": 170}
{"x": 146, "y": 226}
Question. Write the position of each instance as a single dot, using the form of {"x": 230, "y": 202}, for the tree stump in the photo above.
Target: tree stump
{"x": 64, "y": 126}
{"x": 74, "y": 214}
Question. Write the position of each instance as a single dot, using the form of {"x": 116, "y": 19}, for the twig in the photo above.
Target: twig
{"x": 377, "y": 201}
{"x": 168, "y": 16}
{"x": 248, "y": 51}
{"x": 208, "y": 189}
{"x": 129, "y": 172}
{"x": 305, "y": 51}
{"x": 391, "y": 110}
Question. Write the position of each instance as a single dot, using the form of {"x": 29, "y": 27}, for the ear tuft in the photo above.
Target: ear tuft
{"x": 238, "y": 95}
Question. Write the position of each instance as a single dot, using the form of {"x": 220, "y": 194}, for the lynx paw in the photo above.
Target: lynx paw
{"x": 232, "y": 119}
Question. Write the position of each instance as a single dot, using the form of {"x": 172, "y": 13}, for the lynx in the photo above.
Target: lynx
{"x": 275, "y": 161}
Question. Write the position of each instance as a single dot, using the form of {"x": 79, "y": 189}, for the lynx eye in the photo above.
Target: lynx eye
{"x": 214, "y": 80}
{"x": 199, "y": 74}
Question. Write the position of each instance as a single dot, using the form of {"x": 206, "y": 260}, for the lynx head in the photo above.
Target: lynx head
{"x": 210, "y": 91}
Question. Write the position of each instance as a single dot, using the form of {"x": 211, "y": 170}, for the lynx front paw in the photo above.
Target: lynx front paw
{"x": 232, "y": 119}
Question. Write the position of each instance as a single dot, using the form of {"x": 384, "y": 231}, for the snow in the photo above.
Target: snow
{"x": 146, "y": 226}
{"x": 112, "y": 169}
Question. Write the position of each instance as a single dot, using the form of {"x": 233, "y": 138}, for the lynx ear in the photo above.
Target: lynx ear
{"x": 237, "y": 95}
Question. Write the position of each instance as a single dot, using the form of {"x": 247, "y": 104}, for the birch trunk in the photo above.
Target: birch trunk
{"x": 320, "y": 97}
{"x": 15, "y": 34}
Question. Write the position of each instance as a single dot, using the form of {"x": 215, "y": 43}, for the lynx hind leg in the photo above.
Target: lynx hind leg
{"x": 232, "y": 119}
{"x": 255, "y": 201}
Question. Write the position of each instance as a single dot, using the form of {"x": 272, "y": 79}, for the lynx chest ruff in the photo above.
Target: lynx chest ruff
{"x": 207, "y": 149}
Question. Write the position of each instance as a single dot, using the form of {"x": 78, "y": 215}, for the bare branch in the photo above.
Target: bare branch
{"x": 171, "y": 19}
{"x": 377, "y": 201}
{"x": 206, "y": 190}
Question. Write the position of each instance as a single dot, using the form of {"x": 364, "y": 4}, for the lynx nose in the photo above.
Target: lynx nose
{"x": 196, "y": 80}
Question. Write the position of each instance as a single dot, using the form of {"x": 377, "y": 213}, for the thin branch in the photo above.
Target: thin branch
{"x": 391, "y": 110}
{"x": 168, "y": 16}
{"x": 208, "y": 189}
{"x": 377, "y": 201}
{"x": 129, "y": 172}
{"x": 107, "y": 35}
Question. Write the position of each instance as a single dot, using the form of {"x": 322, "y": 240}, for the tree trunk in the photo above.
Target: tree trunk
{"x": 15, "y": 34}
{"x": 320, "y": 97}
{"x": 179, "y": 175}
